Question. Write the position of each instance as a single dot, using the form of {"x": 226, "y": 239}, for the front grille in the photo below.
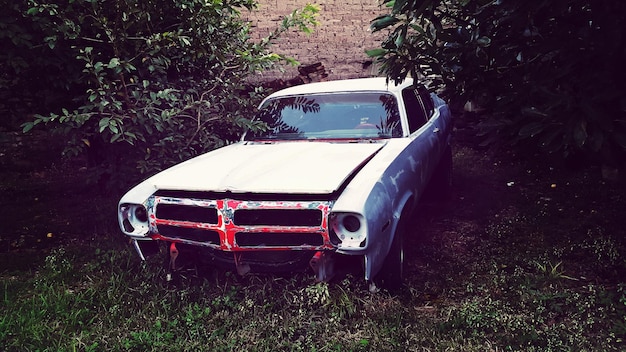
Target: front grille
{"x": 189, "y": 213}
{"x": 239, "y": 225}
{"x": 278, "y": 217}
{"x": 190, "y": 234}
{"x": 268, "y": 239}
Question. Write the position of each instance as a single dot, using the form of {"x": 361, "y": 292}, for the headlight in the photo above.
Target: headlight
{"x": 141, "y": 214}
{"x": 351, "y": 223}
{"x": 133, "y": 219}
{"x": 350, "y": 229}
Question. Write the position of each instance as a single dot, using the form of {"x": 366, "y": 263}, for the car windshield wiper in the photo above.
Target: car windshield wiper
{"x": 280, "y": 137}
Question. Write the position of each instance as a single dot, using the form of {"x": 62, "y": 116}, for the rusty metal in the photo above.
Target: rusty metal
{"x": 173, "y": 255}
{"x": 323, "y": 265}
{"x": 227, "y": 229}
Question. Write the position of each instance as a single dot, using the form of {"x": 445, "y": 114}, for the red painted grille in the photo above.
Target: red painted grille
{"x": 236, "y": 225}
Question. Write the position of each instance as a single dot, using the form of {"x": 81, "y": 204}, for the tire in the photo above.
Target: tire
{"x": 391, "y": 276}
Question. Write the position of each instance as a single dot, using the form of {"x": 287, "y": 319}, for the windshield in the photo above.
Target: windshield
{"x": 330, "y": 116}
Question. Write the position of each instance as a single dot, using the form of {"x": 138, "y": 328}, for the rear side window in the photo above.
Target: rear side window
{"x": 426, "y": 100}
{"x": 415, "y": 110}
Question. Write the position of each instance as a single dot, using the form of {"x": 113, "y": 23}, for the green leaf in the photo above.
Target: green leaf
{"x": 27, "y": 126}
{"x": 383, "y": 22}
{"x": 103, "y": 123}
{"x": 113, "y": 63}
{"x": 51, "y": 41}
{"x": 376, "y": 52}
{"x": 128, "y": 67}
{"x": 400, "y": 36}
{"x": 399, "y": 5}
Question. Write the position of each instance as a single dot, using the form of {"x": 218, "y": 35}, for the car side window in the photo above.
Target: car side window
{"x": 427, "y": 101}
{"x": 415, "y": 110}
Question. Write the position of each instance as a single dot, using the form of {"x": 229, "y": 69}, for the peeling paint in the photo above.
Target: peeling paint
{"x": 227, "y": 229}
{"x": 394, "y": 180}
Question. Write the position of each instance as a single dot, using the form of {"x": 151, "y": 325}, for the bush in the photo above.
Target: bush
{"x": 547, "y": 73}
{"x": 159, "y": 81}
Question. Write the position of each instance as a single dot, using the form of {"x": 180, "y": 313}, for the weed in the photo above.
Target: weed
{"x": 553, "y": 271}
{"x": 530, "y": 277}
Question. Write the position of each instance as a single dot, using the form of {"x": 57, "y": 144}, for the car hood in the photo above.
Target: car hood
{"x": 277, "y": 167}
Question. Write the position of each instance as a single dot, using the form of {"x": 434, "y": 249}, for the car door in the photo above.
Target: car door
{"x": 424, "y": 132}
{"x": 434, "y": 116}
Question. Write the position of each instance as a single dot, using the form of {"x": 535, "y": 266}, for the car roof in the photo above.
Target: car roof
{"x": 347, "y": 85}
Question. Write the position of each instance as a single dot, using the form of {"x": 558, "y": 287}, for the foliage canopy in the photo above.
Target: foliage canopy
{"x": 153, "y": 83}
{"x": 548, "y": 73}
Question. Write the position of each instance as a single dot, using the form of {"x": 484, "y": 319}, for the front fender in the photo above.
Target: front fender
{"x": 392, "y": 188}
{"x": 381, "y": 240}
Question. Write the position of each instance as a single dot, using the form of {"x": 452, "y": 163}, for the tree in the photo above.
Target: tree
{"x": 33, "y": 77}
{"x": 548, "y": 73}
{"x": 153, "y": 82}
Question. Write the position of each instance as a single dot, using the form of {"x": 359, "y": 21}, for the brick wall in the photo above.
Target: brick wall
{"x": 338, "y": 42}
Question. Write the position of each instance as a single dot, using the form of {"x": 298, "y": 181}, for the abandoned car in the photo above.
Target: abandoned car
{"x": 337, "y": 172}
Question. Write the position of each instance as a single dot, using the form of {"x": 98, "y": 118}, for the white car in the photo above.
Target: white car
{"x": 340, "y": 167}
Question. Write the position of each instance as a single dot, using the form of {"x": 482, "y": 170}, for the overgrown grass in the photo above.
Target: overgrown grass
{"x": 542, "y": 274}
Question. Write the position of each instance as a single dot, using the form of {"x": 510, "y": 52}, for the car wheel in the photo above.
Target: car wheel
{"x": 391, "y": 276}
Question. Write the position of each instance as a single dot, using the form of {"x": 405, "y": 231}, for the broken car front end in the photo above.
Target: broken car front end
{"x": 264, "y": 232}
